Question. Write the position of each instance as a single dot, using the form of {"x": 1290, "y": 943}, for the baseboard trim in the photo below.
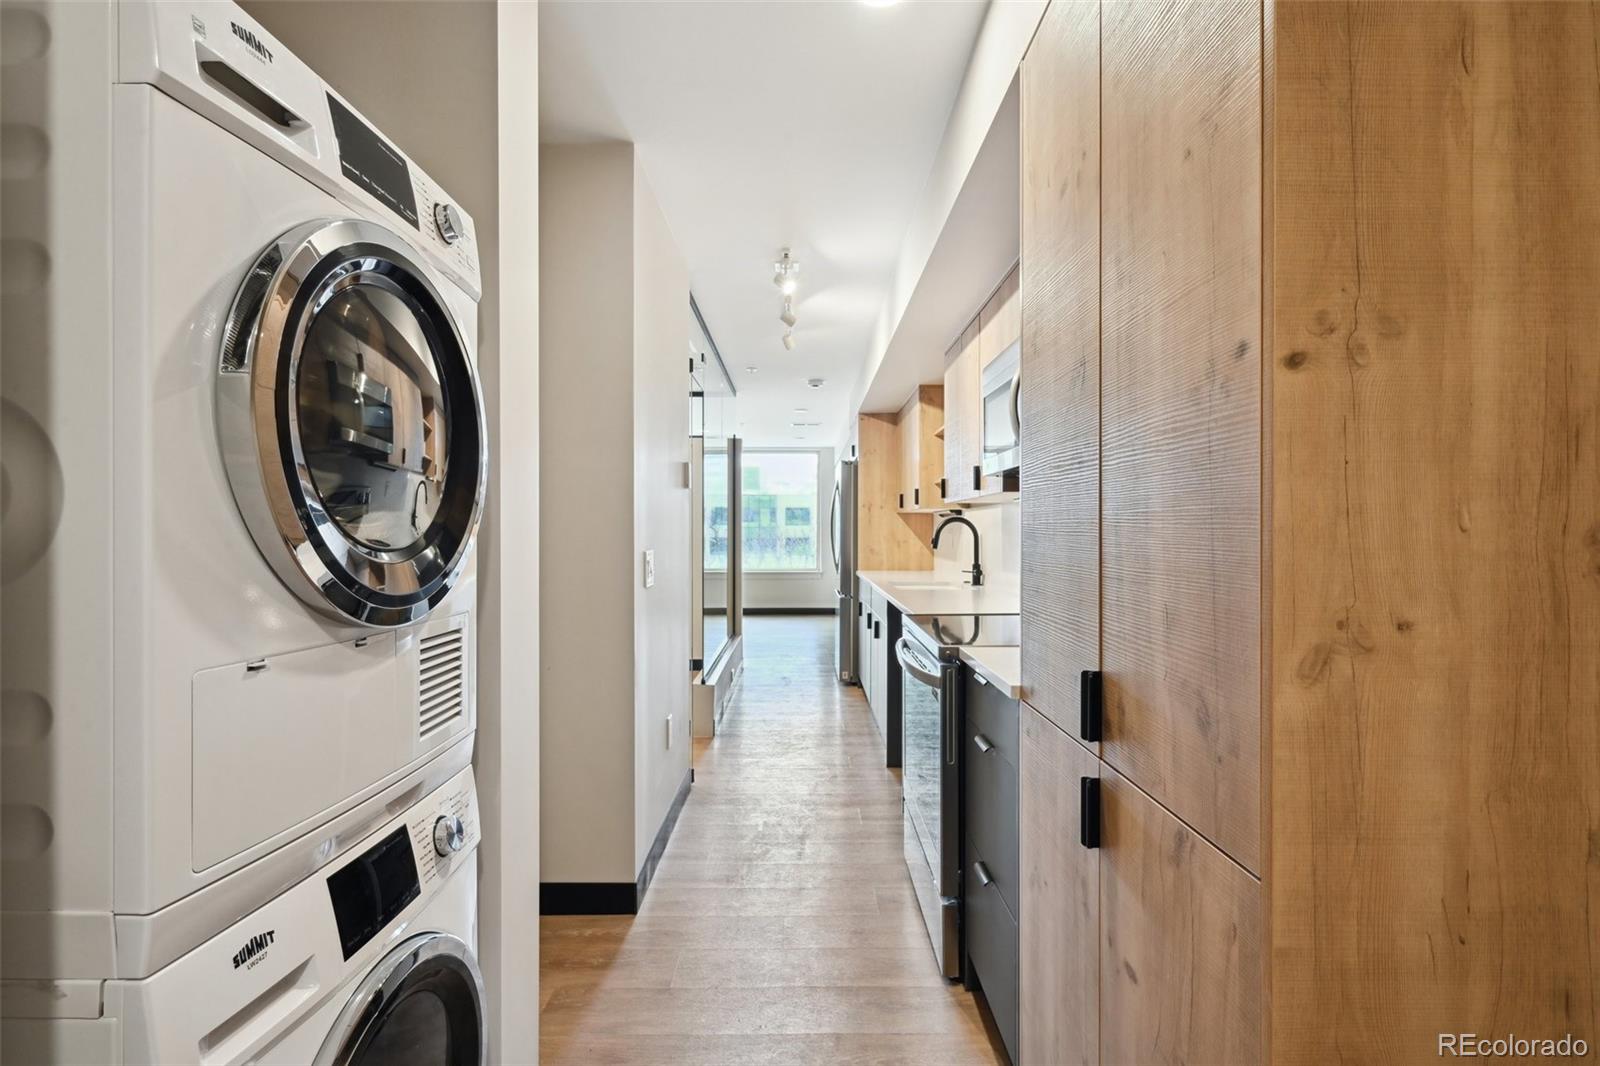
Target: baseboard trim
{"x": 791, "y": 610}
{"x": 615, "y": 897}
{"x": 664, "y": 834}
{"x": 588, "y": 897}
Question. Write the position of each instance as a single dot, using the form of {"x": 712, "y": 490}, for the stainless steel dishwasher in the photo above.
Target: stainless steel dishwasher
{"x": 929, "y": 652}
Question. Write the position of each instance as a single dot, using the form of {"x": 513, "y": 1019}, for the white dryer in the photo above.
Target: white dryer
{"x": 370, "y": 961}
{"x": 245, "y": 454}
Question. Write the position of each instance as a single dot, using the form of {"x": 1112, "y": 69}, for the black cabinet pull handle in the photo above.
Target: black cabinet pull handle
{"x": 943, "y": 492}
{"x": 1091, "y": 705}
{"x": 983, "y": 743}
{"x": 902, "y": 501}
{"x": 977, "y": 479}
{"x": 985, "y": 878}
{"x": 916, "y": 497}
{"x": 1089, "y": 808}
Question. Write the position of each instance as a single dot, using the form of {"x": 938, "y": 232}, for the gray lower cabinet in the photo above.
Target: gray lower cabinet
{"x": 990, "y": 884}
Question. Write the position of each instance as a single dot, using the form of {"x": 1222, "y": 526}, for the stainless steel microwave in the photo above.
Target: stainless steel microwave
{"x": 1002, "y": 423}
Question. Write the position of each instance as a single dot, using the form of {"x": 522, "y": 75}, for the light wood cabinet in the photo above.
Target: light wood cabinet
{"x": 886, "y": 539}
{"x": 1059, "y": 916}
{"x": 1310, "y": 397}
{"x": 1180, "y": 939}
{"x": 921, "y": 450}
{"x": 1000, "y": 321}
{"x": 996, "y": 325}
{"x": 1060, "y": 362}
{"x": 1180, "y": 391}
{"x": 963, "y": 415}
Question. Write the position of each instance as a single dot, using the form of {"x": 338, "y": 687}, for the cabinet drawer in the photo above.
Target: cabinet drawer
{"x": 994, "y": 714}
{"x": 991, "y": 936}
{"x": 991, "y": 813}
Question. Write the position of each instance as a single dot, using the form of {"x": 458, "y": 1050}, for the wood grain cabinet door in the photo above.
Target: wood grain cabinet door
{"x": 963, "y": 416}
{"x": 1059, "y": 304}
{"x": 1058, "y": 920}
{"x": 1180, "y": 940}
{"x": 1181, "y": 409}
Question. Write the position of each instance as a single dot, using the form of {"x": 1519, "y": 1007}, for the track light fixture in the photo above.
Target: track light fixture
{"x": 786, "y": 273}
{"x": 787, "y": 318}
{"x": 788, "y": 340}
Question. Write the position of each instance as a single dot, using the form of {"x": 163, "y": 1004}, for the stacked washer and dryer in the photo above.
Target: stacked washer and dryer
{"x": 245, "y": 460}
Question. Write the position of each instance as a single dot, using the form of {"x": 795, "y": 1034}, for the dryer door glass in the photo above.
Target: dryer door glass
{"x": 373, "y": 420}
{"x": 352, "y": 424}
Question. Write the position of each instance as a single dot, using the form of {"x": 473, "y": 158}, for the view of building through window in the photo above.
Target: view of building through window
{"x": 779, "y": 510}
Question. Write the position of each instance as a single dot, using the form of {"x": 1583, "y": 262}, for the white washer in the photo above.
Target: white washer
{"x": 373, "y": 954}
{"x": 244, "y": 459}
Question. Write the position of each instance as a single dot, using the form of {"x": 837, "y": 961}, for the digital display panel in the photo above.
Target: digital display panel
{"x": 370, "y": 162}
{"x": 368, "y": 893}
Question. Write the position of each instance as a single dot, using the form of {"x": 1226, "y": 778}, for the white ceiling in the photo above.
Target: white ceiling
{"x": 760, "y": 125}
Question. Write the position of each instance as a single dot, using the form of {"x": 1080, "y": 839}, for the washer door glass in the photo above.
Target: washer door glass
{"x": 351, "y": 423}
{"x": 421, "y": 1006}
{"x": 373, "y": 416}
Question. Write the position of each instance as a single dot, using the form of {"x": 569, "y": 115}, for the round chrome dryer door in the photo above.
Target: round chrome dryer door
{"x": 351, "y": 423}
{"x": 421, "y": 1006}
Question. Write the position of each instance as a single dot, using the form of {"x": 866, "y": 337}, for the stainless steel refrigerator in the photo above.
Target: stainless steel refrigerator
{"x": 842, "y": 536}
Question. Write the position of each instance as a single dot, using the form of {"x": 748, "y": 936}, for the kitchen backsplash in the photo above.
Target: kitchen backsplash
{"x": 1000, "y": 527}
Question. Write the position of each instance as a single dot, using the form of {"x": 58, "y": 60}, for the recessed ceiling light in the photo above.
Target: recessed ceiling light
{"x": 802, "y": 410}
{"x": 815, "y": 383}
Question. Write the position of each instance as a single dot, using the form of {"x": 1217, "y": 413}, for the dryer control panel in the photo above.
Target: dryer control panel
{"x": 212, "y": 57}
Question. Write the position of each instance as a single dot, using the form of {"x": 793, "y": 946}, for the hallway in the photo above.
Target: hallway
{"x": 781, "y": 926}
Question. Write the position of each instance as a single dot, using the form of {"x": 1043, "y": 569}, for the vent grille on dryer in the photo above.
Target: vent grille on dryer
{"x": 441, "y": 682}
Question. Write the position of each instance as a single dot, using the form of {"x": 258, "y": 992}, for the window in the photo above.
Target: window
{"x": 779, "y": 508}
{"x": 716, "y": 510}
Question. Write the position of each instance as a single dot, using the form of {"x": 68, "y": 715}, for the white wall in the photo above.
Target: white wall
{"x": 791, "y": 591}
{"x": 1000, "y": 537}
{"x": 660, "y": 516}
{"x": 473, "y": 128}
{"x": 587, "y": 546}
{"x": 615, "y": 411}
{"x": 1008, "y": 28}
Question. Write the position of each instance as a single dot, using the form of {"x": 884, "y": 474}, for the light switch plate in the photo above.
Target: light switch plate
{"x": 649, "y": 568}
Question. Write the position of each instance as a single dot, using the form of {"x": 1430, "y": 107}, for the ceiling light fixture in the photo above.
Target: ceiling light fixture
{"x": 788, "y": 340}
{"x": 786, "y": 273}
{"x": 815, "y": 383}
{"x": 787, "y": 318}
{"x": 751, "y": 369}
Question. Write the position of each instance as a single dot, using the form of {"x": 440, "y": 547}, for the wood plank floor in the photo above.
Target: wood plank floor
{"x": 781, "y": 926}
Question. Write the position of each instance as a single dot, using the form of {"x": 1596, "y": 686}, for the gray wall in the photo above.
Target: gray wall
{"x": 616, "y": 412}
{"x": 473, "y": 126}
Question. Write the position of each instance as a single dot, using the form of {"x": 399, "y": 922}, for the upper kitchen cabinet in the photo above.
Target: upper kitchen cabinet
{"x": 886, "y": 537}
{"x": 921, "y": 426}
{"x": 995, "y": 328}
{"x": 1060, "y": 404}
{"x": 1000, "y": 321}
{"x": 1310, "y": 397}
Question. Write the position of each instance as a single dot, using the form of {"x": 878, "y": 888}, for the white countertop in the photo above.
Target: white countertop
{"x": 1001, "y": 666}
{"x": 920, "y": 592}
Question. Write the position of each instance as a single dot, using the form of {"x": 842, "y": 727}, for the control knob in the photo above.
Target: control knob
{"x": 451, "y": 225}
{"x": 448, "y": 834}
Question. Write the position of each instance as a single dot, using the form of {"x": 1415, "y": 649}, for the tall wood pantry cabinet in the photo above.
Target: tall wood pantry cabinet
{"x": 1311, "y": 467}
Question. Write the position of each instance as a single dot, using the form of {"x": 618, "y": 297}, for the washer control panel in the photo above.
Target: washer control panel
{"x": 444, "y": 828}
